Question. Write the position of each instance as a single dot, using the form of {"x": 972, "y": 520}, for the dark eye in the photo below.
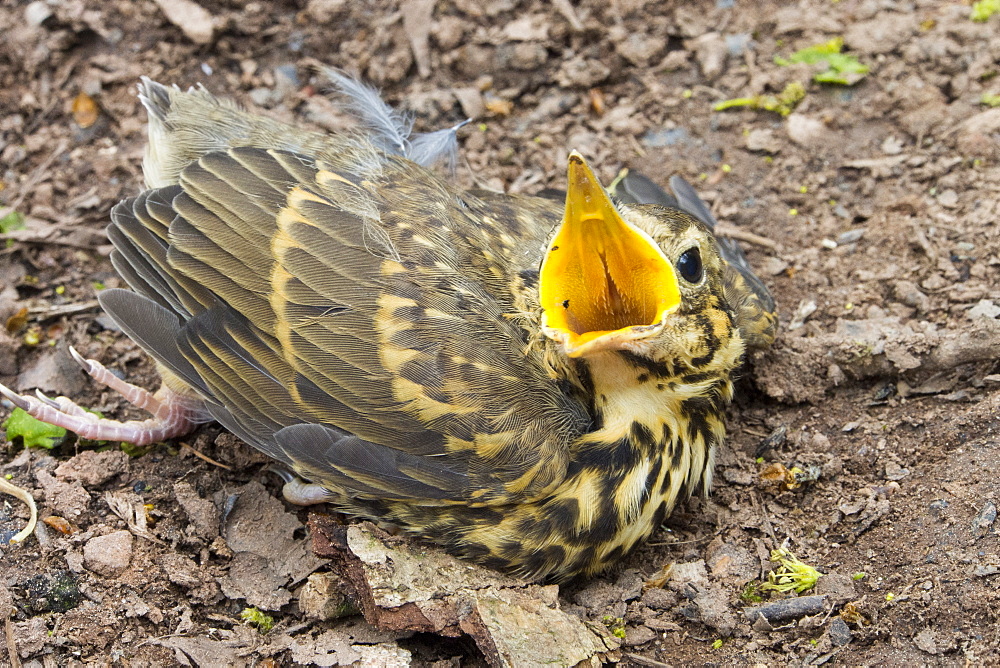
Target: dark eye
{"x": 689, "y": 265}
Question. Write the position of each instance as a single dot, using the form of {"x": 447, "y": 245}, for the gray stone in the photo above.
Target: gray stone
{"x": 839, "y": 632}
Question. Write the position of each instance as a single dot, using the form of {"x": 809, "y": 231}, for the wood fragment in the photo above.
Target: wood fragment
{"x": 417, "y": 25}
{"x": 15, "y": 659}
{"x": 402, "y": 586}
{"x": 645, "y": 661}
{"x": 48, "y": 311}
{"x": 732, "y": 232}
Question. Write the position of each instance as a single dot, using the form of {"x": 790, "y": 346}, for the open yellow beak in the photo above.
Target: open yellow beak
{"x": 604, "y": 283}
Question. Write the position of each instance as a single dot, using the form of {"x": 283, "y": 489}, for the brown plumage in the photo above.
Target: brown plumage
{"x": 532, "y": 386}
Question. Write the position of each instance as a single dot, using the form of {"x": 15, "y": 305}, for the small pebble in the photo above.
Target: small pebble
{"x": 850, "y": 236}
{"x": 36, "y": 13}
{"x": 984, "y": 309}
{"x": 659, "y": 599}
{"x": 839, "y": 632}
{"x": 893, "y": 471}
{"x": 108, "y": 555}
{"x": 948, "y": 199}
{"x": 322, "y": 598}
{"x": 984, "y": 519}
{"x": 639, "y": 635}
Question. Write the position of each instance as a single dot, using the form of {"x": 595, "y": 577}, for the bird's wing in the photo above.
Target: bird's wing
{"x": 748, "y": 298}
{"x": 360, "y": 293}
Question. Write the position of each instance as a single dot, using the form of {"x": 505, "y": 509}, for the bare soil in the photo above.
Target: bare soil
{"x": 877, "y": 210}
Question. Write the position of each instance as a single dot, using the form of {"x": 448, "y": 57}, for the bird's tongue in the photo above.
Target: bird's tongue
{"x": 603, "y": 281}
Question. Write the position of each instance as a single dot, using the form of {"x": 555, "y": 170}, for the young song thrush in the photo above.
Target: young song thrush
{"x": 531, "y": 385}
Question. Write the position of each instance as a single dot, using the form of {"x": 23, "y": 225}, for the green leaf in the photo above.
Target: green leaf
{"x": 840, "y": 68}
{"x": 783, "y": 103}
{"x": 12, "y": 221}
{"x": 983, "y": 10}
{"x": 34, "y": 433}
{"x": 990, "y": 100}
{"x": 813, "y": 54}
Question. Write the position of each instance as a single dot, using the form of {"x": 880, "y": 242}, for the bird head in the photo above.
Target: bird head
{"x": 643, "y": 279}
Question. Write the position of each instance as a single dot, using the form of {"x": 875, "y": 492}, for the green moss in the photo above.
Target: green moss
{"x": 51, "y": 592}
{"x": 751, "y": 593}
{"x": 258, "y": 618}
{"x": 12, "y": 221}
{"x": 616, "y": 625}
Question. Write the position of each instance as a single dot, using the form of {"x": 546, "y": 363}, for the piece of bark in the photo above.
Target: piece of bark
{"x": 406, "y": 587}
{"x": 798, "y": 368}
{"x": 787, "y": 609}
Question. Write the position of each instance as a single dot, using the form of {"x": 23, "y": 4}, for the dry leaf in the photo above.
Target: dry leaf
{"x": 60, "y": 524}
{"x": 597, "y": 101}
{"x": 85, "y": 110}
{"x": 498, "y": 106}
{"x": 18, "y": 321}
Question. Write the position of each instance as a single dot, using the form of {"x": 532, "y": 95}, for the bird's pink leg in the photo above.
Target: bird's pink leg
{"x": 173, "y": 414}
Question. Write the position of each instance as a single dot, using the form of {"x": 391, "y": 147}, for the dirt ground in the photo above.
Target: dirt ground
{"x": 875, "y": 209}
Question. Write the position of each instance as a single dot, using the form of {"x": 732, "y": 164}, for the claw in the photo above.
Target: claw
{"x": 298, "y": 491}
{"x": 14, "y": 398}
{"x": 79, "y": 359}
{"x": 283, "y": 473}
{"x": 44, "y": 399}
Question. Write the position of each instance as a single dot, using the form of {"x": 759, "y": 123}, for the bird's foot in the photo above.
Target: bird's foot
{"x": 173, "y": 414}
{"x": 298, "y": 491}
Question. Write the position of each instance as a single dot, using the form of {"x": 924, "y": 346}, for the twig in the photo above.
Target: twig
{"x": 37, "y": 175}
{"x": 204, "y": 457}
{"x": 643, "y": 661}
{"x": 15, "y": 660}
{"x": 725, "y": 230}
{"x": 46, "y": 312}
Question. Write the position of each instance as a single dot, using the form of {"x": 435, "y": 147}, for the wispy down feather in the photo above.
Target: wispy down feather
{"x": 390, "y": 129}
{"x": 430, "y": 148}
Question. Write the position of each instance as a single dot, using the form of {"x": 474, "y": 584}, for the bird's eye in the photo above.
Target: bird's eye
{"x": 689, "y": 265}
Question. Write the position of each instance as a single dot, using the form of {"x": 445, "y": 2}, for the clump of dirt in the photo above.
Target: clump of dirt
{"x": 865, "y": 441}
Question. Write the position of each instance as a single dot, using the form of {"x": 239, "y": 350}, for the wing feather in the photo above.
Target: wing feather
{"x": 364, "y": 327}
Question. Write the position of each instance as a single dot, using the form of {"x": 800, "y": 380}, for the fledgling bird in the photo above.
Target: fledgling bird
{"x": 531, "y": 385}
